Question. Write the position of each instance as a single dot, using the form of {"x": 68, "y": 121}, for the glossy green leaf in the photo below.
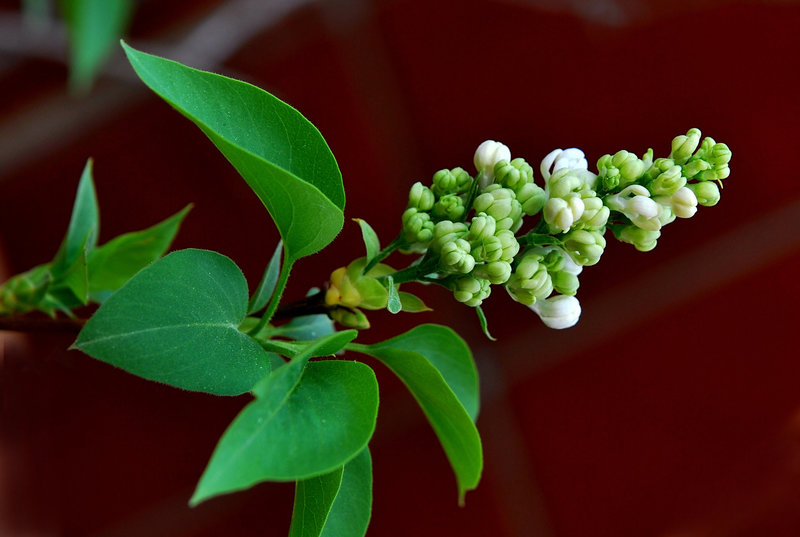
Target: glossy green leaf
{"x": 484, "y": 323}
{"x": 94, "y": 28}
{"x": 437, "y": 367}
{"x": 338, "y": 504}
{"x": 412, "y": 303}
{"x": 176, "y": 322}
{"x": 393, "y": 304}
{"x": 114, "y": 263}
{"x": 280, "y": 154}
{"x": 371, "y": 241}
{"x": 307, "y": 420}
{"x": 306, "y": 327}
{"x": 268, "y": 280}
{"x": 326, "y": 346}
{"x": 69, "y": 268}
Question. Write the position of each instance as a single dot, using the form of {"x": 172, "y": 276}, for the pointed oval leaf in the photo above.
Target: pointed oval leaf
{"x": 436, "y": 366}
{"x": 280, "y": 154}
{"x": 114, "y": 263}
{"x": 338, "y": 504}
{"x": 371, "y": 241}
{"x": 176, "y": 322}
{"x": 81, "y": 237}
{"x": 323, "y": 421}
{"x": 267, "y": 284}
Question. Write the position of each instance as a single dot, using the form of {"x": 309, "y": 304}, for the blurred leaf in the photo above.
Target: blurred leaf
{"x": 94, "y": 28}
{"x": 484, "y": 323}
{"x": 176, "y": 322}
{"x": 436, "y": 366}
{"x": 307, "y": 420}
{"x": 306, "y": 327}
{"x": 268, "y": 280}
{"x": 114, "y": 263}
{"x": 280, "y": 154}
{"x": 337, "y": 504}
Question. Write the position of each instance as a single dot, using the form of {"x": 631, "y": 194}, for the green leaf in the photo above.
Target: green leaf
{"x": 324, "y": 346}
{"x": 394, "y": 304}
{"x": 484, "y": 323}
{"x": 114, "y": 263}
{"x": 94, "y": 27}
{"x": 306, "y": 327}
{"x": 371, "y": 241}
{"x": 280, "y": 154}
{"x": 437, "y": 367}
{"x": 412, "y": 303}
{"x": 176, "y": 322}
{"x": 307, "y": 420}
{"x": 338, "y": 504}
{"x": 69, "y": 267}
{"x": 268, "y": 280}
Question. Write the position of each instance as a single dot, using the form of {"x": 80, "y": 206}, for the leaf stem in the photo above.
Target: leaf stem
{"x": 283, "y": 277}
{"x": 383, "y": 254}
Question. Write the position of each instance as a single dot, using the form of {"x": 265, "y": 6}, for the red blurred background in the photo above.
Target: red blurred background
{"x": 671, "y": 410}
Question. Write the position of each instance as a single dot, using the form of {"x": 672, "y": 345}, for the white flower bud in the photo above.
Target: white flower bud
{"x": 560, "y": 311}
{"x": 488, "y": 154}
{"x": 683, "y": 202}
{"x": 572, "y": 158}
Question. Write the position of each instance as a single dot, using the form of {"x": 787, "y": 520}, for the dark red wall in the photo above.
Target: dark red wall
{"x": 671, "y": 410}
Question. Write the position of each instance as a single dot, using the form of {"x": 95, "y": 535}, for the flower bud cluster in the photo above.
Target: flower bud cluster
{"x": 645, "y": 194}
{"x": 473, "y": 230}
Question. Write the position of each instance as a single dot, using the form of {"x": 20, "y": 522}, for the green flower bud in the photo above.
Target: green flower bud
{"x": 559, "y": 311}
{"x": 667, "y": 215}
{"x": 642, "y": 239}
{"x": 481, "y": 226}
{"x": 585, "y": 247}
{"x": 717, "y": 173}
{"x": 620, "y": 169}
{"x": 417, "y": 226}
{"x": 421, "y": 197}
{"x": 707, "y": 193}
{"x": 667, "y": 183}
{"x": 660, "y": 165}
{"x": 487, "y": 249}
{"x": 595, "y": 214}
{"x": 456, "y": 257}
{"x": 497, "y": 272}
{"x": 530, "y": 281}
{"x": 720, "y": 154}
{"x": 449, "y": 207}
{"x": 684, "y": 145}
{"x": 446, "y": 231}
{"x": 561, "y": 214}
{"x": 565, "y": 283}
{"x": 351, "y": 318}
{"x": 532, "y": 198}
{"x": 502, "y": 205}
{"x": 471, "y": 291}
{"x": 514, "y": 174}
{"x": 509, "y": 244}
{"x": 563, "y": 182}
{"x": 694, "y": 167}
{"x": 453, "y": 181}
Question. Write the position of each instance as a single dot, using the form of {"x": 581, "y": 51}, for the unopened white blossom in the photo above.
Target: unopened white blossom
{"x": 683, "y": 202}
{"x": 634, "y": 202}
{"x": 559, "y": 312}
{"x": 562, "y": 213}
{"x": 572, "y": 158}
{"x": 488, "y": 154}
